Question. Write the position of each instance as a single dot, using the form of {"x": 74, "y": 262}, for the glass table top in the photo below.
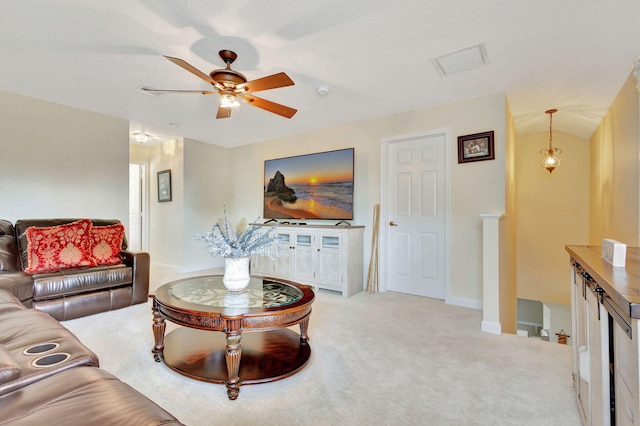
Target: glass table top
{"x": 209, "y": 291}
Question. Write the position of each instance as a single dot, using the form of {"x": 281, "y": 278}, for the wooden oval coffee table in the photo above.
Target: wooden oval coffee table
{"x": 202, "y": 304}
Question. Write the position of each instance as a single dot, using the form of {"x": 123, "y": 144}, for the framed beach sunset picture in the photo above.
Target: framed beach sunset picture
{"x": 312, "y": 186}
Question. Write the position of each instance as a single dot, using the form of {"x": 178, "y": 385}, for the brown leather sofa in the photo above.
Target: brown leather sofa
{"x": 48, "y": 377}
{"x": 70, "y": 293}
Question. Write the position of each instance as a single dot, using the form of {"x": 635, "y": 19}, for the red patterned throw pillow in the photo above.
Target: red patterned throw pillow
{"x": 106, "y": 244}
{"x": 59, "y": 247}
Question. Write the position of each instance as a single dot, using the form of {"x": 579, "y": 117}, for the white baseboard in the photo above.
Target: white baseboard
{"x": 465, "y": 303}
{"x": 190, "y": 269}
{"x": 167, "y": 266}
{"x": 491, "y": 327}
{"x": 202, "y": 268}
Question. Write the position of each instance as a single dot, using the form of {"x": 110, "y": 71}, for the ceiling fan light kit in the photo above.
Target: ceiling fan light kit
{"x": 233, "y": 86}
{"x": 141, "y": 137}
{"x": 228, "y": 100}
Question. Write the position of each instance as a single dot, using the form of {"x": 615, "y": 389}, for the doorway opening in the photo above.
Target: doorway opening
{"x": 543, "y": 320}
{"x": 138, "y": 237}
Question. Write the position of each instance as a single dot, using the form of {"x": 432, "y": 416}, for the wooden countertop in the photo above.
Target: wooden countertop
{"x": 622, "y": 285}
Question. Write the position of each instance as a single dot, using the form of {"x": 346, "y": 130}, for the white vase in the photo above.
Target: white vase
{"x": 236, "y": 273}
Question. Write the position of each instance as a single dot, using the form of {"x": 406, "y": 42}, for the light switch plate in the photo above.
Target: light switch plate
{"x": 614, "y": 252}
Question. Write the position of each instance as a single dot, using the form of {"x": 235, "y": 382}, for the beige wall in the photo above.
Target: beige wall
{"x": 166, "y": 224}
{"x": 475, "y": 187}
{"x": 206, "y": 191}
{"x": 614, "y": 169}
{"x": 199, "y": 180}
{"x": 59, "y": 161}
{"x": 552, "y": 213}
{"x": 508, "y": 234}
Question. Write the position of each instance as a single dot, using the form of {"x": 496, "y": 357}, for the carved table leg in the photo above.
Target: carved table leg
{"x": 303, "y": 330}
{"x": 159, "y": 327}
{"x": 232, "y": 356}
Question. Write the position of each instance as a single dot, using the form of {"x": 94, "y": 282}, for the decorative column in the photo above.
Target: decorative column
{"x": 491, "y": 273}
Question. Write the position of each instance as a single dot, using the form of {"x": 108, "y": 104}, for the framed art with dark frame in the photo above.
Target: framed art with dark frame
{"x": 164, "y": 186}
{"x": 476, "y": 147}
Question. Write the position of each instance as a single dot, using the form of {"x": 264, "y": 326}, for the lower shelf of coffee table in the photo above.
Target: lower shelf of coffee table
{"x": 266, "y": 356}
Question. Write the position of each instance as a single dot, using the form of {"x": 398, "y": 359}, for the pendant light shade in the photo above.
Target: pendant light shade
{"x": 550, "y": 161}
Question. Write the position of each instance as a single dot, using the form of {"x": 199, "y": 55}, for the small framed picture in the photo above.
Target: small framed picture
{"x": 476, "y": 147}
{"x": 164, "y": 186}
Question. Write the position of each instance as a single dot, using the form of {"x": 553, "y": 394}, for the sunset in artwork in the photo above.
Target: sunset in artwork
{"x": 315, "y": 186}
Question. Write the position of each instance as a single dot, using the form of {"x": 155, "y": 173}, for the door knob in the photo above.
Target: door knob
{"x": 392, "y": 223}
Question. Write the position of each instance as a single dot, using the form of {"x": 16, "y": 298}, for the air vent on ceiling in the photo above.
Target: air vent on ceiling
{"x": 144, "y": 90}
{"x": 461, "y": 60}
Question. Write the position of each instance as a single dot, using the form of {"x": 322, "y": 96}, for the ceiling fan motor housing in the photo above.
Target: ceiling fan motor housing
{"x": 228, "y": 76}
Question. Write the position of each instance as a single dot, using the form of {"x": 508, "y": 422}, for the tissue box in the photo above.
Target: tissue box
{"x": 614, "y": 252}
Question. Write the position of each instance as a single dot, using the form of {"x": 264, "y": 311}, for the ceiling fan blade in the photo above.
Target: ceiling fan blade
{"x": 223, "y": 112}
{"x": 187, "y": 66}
{"x": 202, "y": 92}
{"x": 265, "y": 83}
{"x": 273, "y": 107}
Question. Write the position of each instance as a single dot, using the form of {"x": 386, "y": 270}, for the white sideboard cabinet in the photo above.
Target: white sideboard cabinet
{"x": 324, "y": 256}
{"x": 590, "y": 331}
{"x": 605, "y": 306}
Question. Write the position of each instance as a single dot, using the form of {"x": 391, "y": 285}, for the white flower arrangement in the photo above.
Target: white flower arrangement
{"x": 254, "y": 240}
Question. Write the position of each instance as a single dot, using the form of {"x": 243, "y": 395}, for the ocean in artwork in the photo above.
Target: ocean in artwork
{"x": 312, "y": 186}
{"x": 338, "y": 195}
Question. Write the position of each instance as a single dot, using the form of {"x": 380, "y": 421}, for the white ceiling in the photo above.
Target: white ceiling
{"x": 374, "y": 55}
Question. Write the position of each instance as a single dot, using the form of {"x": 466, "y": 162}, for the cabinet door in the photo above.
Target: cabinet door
{"x": 598, "y": 336}
{"x": 625, "y": 352}
{"x": 285, "y": 253}
{"x": 330, "y": 260}
{"x": 582, "y": 346}
{"x": 262, "y": 265}
{"x": 303, "y": 257}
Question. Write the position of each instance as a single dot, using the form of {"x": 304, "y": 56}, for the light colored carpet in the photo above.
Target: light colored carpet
{"x": 382, "y": 359}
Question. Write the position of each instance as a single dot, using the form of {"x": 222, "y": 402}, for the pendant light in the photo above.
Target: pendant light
{"x": 550, "y": 161}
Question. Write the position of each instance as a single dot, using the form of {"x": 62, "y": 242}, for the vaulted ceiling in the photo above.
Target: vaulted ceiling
{"x": 374, "y": 56}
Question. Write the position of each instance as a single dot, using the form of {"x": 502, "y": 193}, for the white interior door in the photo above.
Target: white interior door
{"x": 134, "y": 236}
{"x": 415, "y": 214}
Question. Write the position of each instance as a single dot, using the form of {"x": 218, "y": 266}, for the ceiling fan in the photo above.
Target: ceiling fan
{"x": 232, "y": 85}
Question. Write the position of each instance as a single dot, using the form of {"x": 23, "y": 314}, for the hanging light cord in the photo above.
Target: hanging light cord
{"x": 551, "y": 149}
